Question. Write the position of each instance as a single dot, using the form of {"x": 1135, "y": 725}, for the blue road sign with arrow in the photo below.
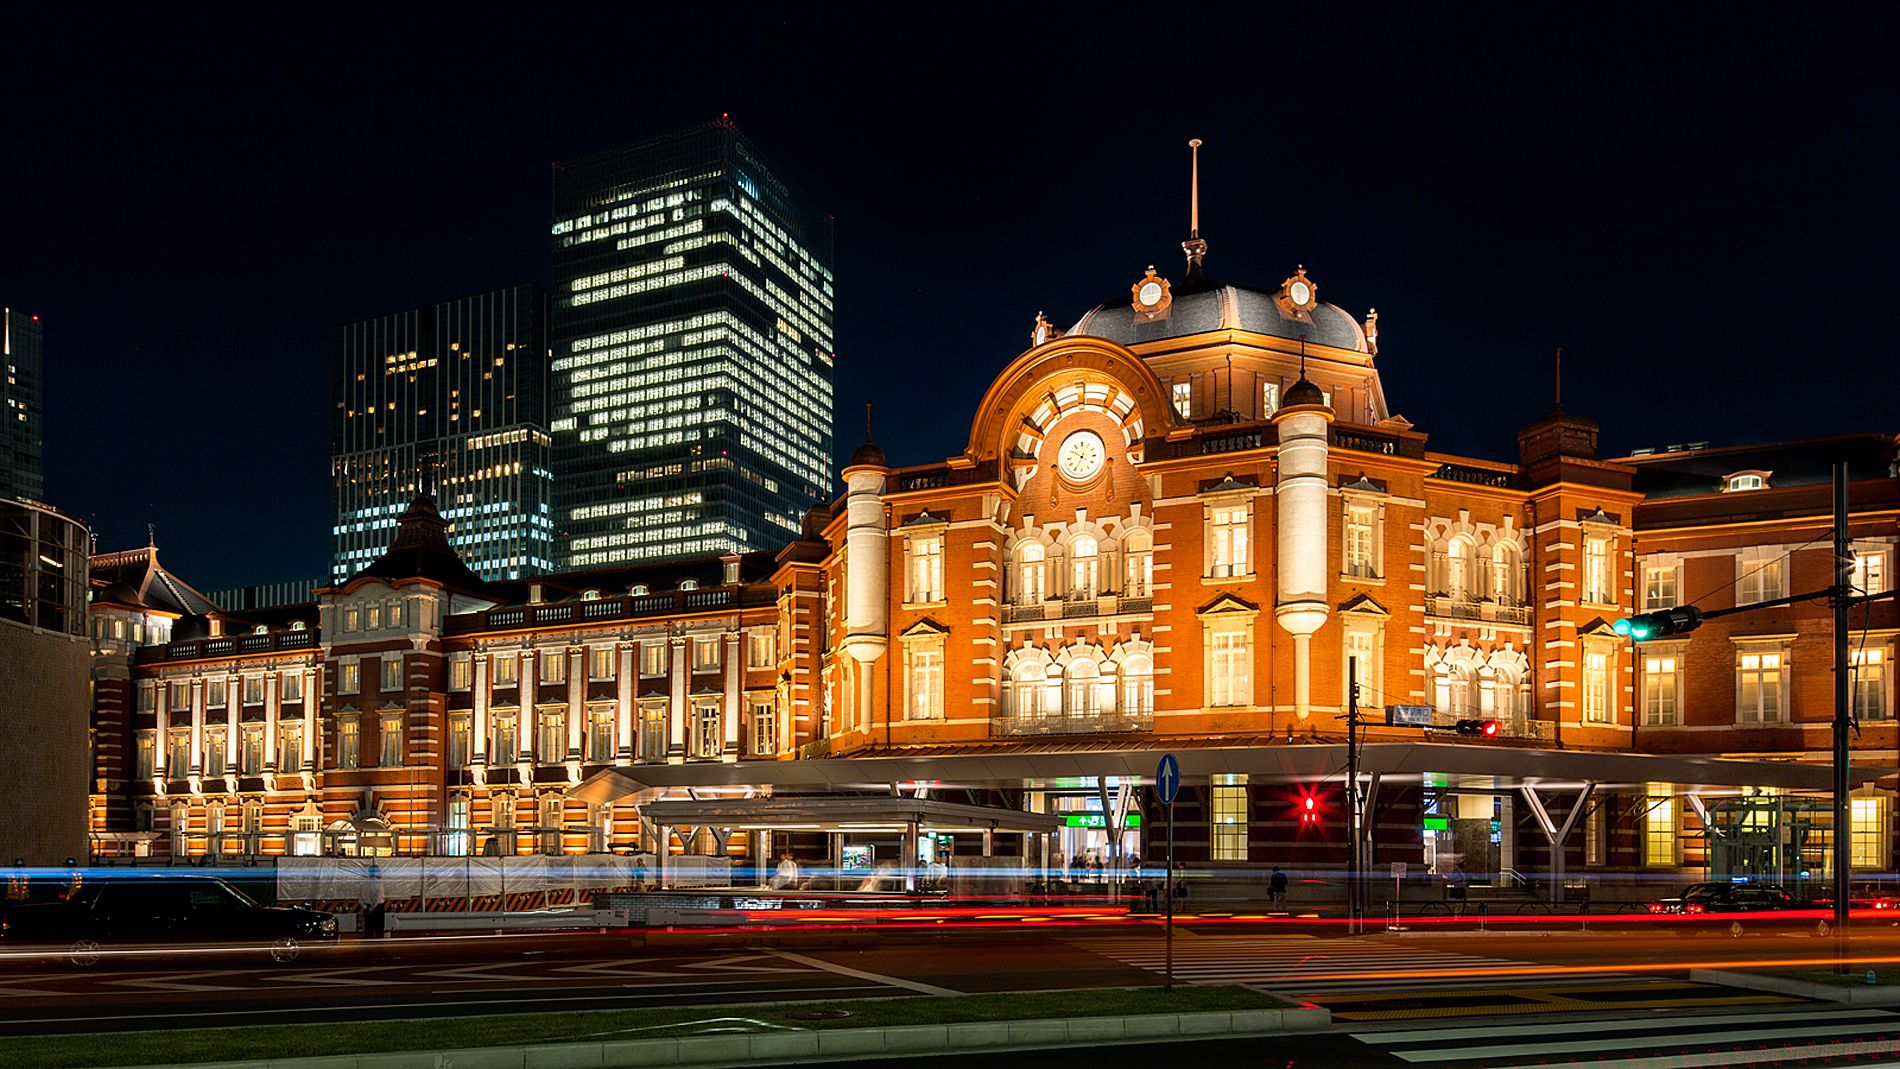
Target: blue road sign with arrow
{"x": 1168, "y": 778}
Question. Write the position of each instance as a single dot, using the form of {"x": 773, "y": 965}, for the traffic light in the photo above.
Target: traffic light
{"x": 1486, "y": 728}
{"x": 1662, "y": 624}
{"x": 1308, "y": 811}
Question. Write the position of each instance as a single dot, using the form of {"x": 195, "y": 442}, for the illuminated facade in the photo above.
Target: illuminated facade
{"x": 449, "y": 399}
{"x": 22, "y": 407}
{"x": 692, "y": 368}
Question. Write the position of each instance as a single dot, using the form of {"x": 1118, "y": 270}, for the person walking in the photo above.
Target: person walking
{"x": 1457, "y": 886}
{"x": 1276, "y": 887}
{"x": 786, "y": 875}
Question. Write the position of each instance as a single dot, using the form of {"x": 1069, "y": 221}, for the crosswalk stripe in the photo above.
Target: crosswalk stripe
{"x": 1588, "y": 1040}
{"x": 1728, "y": 1019}
{"x": 1300, "y": 967}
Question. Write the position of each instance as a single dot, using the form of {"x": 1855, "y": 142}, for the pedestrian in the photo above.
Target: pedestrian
{"x": 786, "y": 875}
{"x": 1456, "y": 884}
{"x": 373, "y": 903}
{"x": 937, "y": 873}
{"x": 1276, "y": 887}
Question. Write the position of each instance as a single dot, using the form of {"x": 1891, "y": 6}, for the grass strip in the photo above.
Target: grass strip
{"x": 259, "y": 1042}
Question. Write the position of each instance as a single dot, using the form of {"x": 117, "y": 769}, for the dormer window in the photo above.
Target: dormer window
{"x": 590, "y": 595}
{"x": 297, "y": 625}
{"x": 689, "y": 584}
{"x": 1746, "y": 480}
{"x": 260, "y": 629}
{"x": 637, "y": 589}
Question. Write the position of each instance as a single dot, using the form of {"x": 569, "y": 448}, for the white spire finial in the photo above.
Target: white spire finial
{"x": 1194, "y": 189}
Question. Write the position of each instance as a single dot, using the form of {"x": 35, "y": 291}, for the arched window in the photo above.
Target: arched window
{"x": 260, "y": 629}
{"x": 1504, "y": 574}
{"x": 1139, "y": 564}
{"x": 1458, "y": 568}
{"x": 689, "y": 584}
{"x": 1031, "y": 578}
{"x": 1084, "y": 567}
{"x": 1506, "y": 695}
{"x": 1084, "y": 697}
{"x": 1026, "y": 688}
{"x": 1138, "y": 686}
{"x": 637, "y": 589}
{"x": 1457, "y": 689}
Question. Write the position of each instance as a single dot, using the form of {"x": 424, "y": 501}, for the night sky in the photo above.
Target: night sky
{"x": 1702, "y": 213}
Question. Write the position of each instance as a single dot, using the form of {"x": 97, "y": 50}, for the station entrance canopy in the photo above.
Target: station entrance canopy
{"x": 847, "y": 814}
{"x": 1394, "y": 763}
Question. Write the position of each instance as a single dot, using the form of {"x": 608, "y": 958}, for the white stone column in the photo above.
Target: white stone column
{"x": 162, "y": 748}
{"x": 270, "y": 721}
{"x": 1301, "y": 542}
{"x": 735, "y": 691}
{"x": 577, "y": 667}
{"x": 623, "y": 710}
{"x": 197, "y": 758}
{"x": 233, "y": 706}
{"x": 478, "y": 728}
{"x": 312, "y": 716}
{"x": 528, "y": 689}
{"x": 680, "y": 677}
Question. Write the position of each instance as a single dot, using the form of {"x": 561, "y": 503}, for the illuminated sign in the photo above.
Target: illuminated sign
{"x": 1098, "y": 820}
{"x": 1437, "y": 824}
{"x": 1408, "y": 716}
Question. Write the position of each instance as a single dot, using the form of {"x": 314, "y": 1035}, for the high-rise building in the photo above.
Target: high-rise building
{"x": 22, "y": 453}
{"x": 450, "y": 399}
{"x": 692, "y": 366}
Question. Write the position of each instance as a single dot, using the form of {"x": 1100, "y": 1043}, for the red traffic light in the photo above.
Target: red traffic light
{"x": 1490, "y": 728}
{"x": 1485, "y": 728}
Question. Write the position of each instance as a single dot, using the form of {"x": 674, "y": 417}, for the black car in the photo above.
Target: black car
{"x": 128, "y": 914}
{"x": 1739, "y": 907}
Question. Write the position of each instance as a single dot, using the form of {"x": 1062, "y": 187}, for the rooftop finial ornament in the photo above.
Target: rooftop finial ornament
{"x": 1194, "y": 246}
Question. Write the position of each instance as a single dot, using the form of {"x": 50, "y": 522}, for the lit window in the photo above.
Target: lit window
{"x": 926, "y": 568}
{"x": 1596, "y": 571}
{"x": 391, "y": 674}
{"x": 1183, "y": 398}
{"x": 214, "y": 752}
{"x": 554, "y": 666}
{"x": 761, "y": 649}
{"x": 1758, "y": 688}
{"x": 1661, "y": 844}
{"x": 653, "y": 731}
{"x": 600, "y": 663}
{"x": 1358, "y": 539}
{"x": 251, "y": 753}
{"x": 1228, "y": 810}
{"x": 461, "y": 734}
{"x": 1746, "y": 482}
{"x": 764, "y": 730}
{"x": 1138, "y": 559}
{"x": 1506, "y": 574}
{"x": 1869, "y": 823}
{"x": 348, "y": 743}
{"x": 550, "y": 744}
{"x": 507, "y": 670}
{"x": 289, "y": 746}
{"x": 373, "y": 617}
{"x": 349, "y": 677}
{"x": 352, "y": 619}
{"x": 1230, "y": 663}
{"x": 1032, "y": 583}
{"x": 389, "y": 741}
{"x": 1138, "y": 687}
{"x": 1659, "y": 587}
{"x": 924, "y": 678}
{"x": 1869, "y": 574}
{"x": 1269, "y": 399}
{"x": 653, "y": 659}
{"x": 506, "y": 746}
{"x": 1661, "y": 687}
{"x": 181, "y": 697}
{"x": 1228, "y": 536}
{"x": 1455, "y": 570}
{"x": 1870, "y": 684}
{"x": 460, "y": 673}
{"x": 1596, "y": 688}
{"x": 600, "y": 733}
{"x": 1760, "y": 575}
{"x": 1085, "y": 566}
{"x": 143, "y": 763}
{"x": 1362, "y": 663}
{"x": 706, "y": 740}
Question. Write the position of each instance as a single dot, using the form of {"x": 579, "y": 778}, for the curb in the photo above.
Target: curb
{"x": 1857, "y": 995}
{"x": 830, "y": 1045}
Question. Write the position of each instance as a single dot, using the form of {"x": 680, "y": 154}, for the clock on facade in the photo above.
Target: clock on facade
{"x": 1081, "y": 456}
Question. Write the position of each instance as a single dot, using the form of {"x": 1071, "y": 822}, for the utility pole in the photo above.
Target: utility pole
{"x": 1843, "y": 716}
{"x": 1352, "y": 796}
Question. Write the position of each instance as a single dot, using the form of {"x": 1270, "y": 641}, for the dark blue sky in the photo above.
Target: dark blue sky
{"x": 1701, "y": 212}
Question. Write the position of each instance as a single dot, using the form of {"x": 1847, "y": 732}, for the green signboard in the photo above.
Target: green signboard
{"x": 1098, "y": 820}
{"x": 1437, "y": 824}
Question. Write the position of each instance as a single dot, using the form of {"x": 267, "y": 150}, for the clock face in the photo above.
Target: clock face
{"x": 1150, "y": 294}
{"x": 1300, "y": 294}
{"x": 1082, "y": 455}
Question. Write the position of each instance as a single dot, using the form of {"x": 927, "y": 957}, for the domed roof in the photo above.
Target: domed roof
{"x": 868, "y": 453}
{"x": 1304, "y": 392}
{"x": 1202, "y": 305}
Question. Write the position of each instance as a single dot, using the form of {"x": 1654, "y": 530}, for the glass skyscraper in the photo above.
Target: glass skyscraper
{"x": 449, "y": 400}
{"x": 692, "y": 367}
{"x": 22, "y": 454}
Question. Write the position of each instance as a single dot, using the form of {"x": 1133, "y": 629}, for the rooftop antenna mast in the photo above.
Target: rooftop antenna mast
{"x": 1194, "y": 246}
{"x": 1560, "y": 378}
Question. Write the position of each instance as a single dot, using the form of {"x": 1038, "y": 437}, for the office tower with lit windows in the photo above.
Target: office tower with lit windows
{"x": 692, "y": 366}
{"x": 22, "y": 454}
{"x": 450, "y": 400}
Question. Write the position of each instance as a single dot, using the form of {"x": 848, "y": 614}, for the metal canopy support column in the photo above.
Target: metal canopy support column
{"x": 1557, "y": 837}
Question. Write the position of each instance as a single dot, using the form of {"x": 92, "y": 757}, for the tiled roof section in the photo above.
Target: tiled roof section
{"x": 134, "y": 578}
{"x": 659, "y": 577}
{"x": 1688, "y": 473}
{"x": 422, "y": 551}
{"x": 1200, "y": 308}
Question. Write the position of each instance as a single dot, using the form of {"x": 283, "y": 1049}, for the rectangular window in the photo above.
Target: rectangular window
{"x": 1659, "y": 587}
{"x": 653, "y": 658}
{"x": 181, "y": 697}
{"x": 1596, "y": 571}
{"x": 461, "y": 673}
{"x": 253, "y": 690}
{"x": 395, "y": 614}
{"x": 1869, "y": 574}
{"x": 461, "y": 737}
{"x": 550, "y": 745}
{"x": 505, "y": 748}
{"x": 764, "y": 729}
{"x": 1269, "y": 399}
{"x": 1596, "y": 688}
{"x": 1660, "y": 688}
{"x": 762, "y": 650}
{"x": 349, "y": 738}
{"x": 291, "y": 684}
{"x": 178, "y": 754}
{"x": 600, "y": 662}
{"x": 352, "y": 619}
{"x": 1359, "y": 521}
{"x": 706, "y": 742}
{"x": 1868, "y": 818}
{"x": 373, "y": 617}
{"x": 1760, "y": 575}
{"x": 600, "y": 828}
{"x": 1228, "y": 535}
{"x": 389, "y": 740}
{"x": 1362, "y": 667}
{"x": 214, "y": 752}
{"x": 600, "y": 733}
{"x": 457, "y": 837}
{"x": 1870, "y": 684}
{"x": 289, "y": 747}
{"x": 1758, "y": 689}
{"x": 507, "y": 669}
{"x": 924, "y": 690}
{"x": 554, "y": 819}
{"x": 1660, "y": 842}
{"x": 349, "y": 677}
{"x": 705, "y": 652}
{"x": 392, "y": 674}
{"x": 1231, "y": 666}
{"x": 1183, "y": 393}
{"x": 554, "y": 666}
{"x": 214, "y": 694}
{"x": 1228, "y": 809}
{"x": 143, "y": 764}
{"x": 1593, "y": 837}
{"x": 653, "y": 732}
{"x": 926, "y": 568}
{"x": 148, "y": 697}
{"x": 251, "y": 756}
